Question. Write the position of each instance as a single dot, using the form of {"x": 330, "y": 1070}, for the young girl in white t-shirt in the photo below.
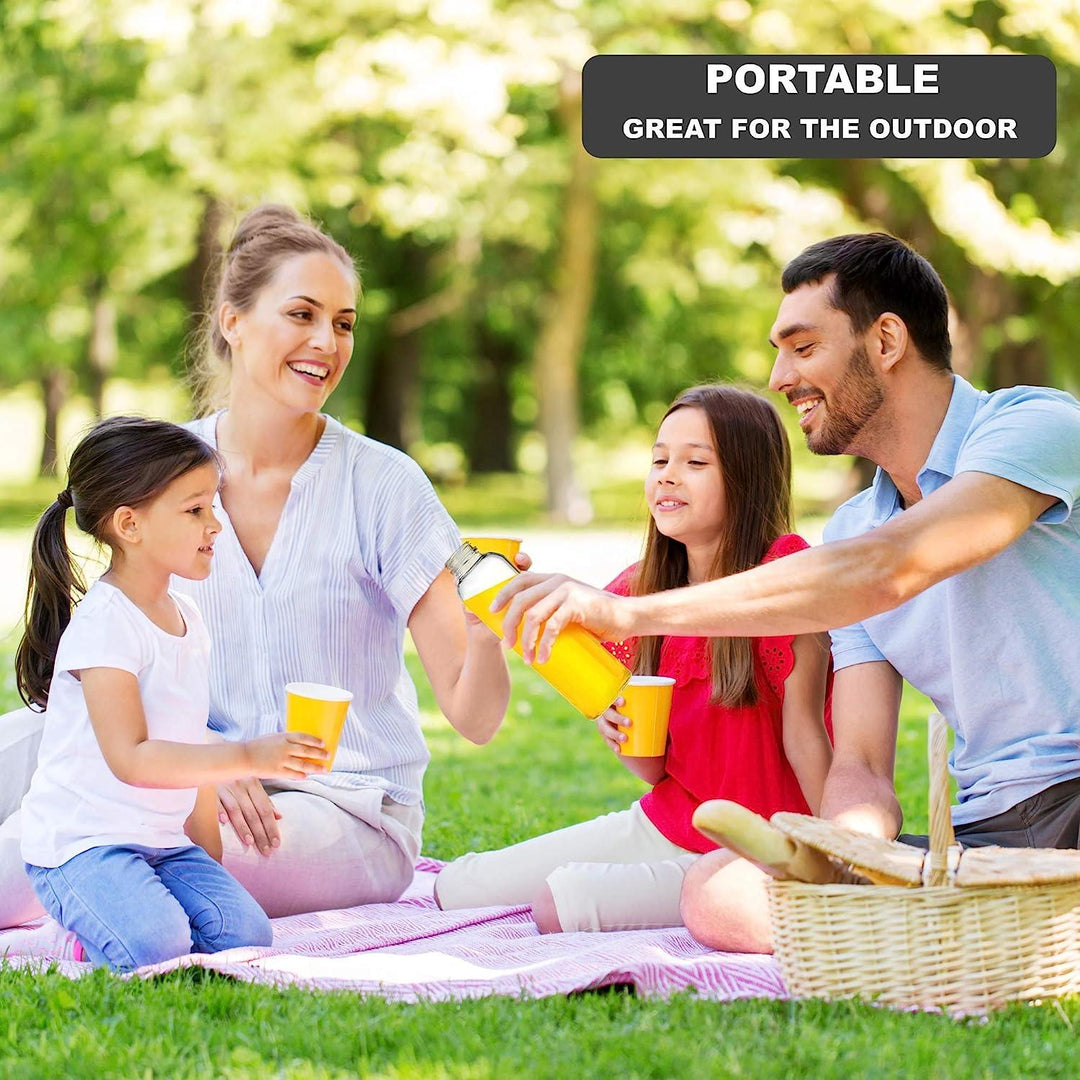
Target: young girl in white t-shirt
{"x": 112, "y": 810}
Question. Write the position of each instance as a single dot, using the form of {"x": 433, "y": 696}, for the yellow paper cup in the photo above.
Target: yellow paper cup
{"x": 506, "y": 546}
{"x": 317, "y": 710}
{"x": 647, "y": 704}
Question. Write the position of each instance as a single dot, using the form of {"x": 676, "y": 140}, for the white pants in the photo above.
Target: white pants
{"x": 616, "y": 872}
{"x": 337, "y": 849}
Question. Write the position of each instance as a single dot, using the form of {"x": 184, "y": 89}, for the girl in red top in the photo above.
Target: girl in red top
{"x": 748, "y": 716}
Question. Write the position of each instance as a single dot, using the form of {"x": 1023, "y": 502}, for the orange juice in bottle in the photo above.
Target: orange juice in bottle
{"x": 579, "y": 667}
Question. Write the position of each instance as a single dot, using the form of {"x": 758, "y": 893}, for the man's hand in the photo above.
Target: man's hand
{"x": 859, "y": 791}
{"x": 540, "y": 606}
{"x": 523, "y": 562}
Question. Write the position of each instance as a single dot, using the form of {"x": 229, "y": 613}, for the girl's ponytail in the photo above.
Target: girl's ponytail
{"x": 55, "y": 587}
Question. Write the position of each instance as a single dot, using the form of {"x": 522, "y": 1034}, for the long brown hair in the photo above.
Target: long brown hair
{"x": 755, "y": 464}
{"x": 122, "y": 461}
{"x": 264, "y": 239}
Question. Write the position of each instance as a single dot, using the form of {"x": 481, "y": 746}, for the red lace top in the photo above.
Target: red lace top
{"x": 715, "y": 752}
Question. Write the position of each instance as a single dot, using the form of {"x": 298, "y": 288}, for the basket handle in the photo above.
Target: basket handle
{"x": 941, "y": 830}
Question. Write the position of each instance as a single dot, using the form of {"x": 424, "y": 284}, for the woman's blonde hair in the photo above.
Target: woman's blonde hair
{"x": 265, "y": 238}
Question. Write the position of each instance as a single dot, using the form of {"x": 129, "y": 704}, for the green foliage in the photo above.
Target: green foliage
{"x": 429, "y": 139}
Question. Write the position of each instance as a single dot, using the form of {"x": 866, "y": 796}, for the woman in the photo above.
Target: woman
{"x": 331, "y": 545}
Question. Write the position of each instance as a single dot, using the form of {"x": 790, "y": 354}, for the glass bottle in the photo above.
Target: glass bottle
{"x": 579, "y": 667}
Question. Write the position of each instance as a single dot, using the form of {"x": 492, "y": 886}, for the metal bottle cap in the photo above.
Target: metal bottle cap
{"x": 463, "y": 560}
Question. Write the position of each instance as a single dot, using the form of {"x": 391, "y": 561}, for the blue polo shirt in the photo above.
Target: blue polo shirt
{"x": 997, "y": 647}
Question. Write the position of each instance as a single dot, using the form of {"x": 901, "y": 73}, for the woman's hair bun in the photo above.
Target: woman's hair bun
{"x": 262, "y": 219}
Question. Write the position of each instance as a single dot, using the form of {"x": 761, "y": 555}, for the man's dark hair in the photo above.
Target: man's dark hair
{"x": 876, "y": 272}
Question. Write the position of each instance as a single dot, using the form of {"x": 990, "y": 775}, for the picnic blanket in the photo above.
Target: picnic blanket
{"x": 412, "y": 951}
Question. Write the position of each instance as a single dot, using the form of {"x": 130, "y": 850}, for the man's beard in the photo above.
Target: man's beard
{"x": 850, "y": 408}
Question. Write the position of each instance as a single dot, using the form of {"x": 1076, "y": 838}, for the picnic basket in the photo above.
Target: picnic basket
{"x": 984, "y": 928}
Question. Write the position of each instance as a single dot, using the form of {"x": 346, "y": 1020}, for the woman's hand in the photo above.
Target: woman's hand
{"x": 543, "y": 604}
{"x": 649, "y": 769}
{"x": 479, "y": 632}
{"x": 245, "y": 805}
{"x": 607, "y": 723}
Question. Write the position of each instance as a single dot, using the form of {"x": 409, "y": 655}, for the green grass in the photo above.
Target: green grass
{"x": 197, "y": 1025}
{"x": 546, "y": 768}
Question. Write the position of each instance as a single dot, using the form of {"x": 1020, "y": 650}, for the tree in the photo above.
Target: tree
{"x": 78, "y": 198}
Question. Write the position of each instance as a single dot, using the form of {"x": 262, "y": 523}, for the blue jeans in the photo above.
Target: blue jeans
{"x": 131, "y": 905}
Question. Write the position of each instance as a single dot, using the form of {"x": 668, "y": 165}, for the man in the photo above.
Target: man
{"x": 958, "y": 569}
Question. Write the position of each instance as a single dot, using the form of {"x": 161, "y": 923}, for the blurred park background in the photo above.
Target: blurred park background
{"x": 528, "y": 311}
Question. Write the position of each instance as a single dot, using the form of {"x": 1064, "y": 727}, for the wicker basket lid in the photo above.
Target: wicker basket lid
{"x": 884, "y": 862}
{"x": 985, "y": 867}
{"x": 752, "y": 837}
{"x": 889, "y": 862}
{"x": 809, "y": 849}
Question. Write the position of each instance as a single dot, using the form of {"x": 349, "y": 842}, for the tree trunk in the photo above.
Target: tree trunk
{"x": 392, "y": 407}
{"x": 54, "y": 390}
{"x": 102, "y": 348}
{"x": 565, "y": 318}
{"x": 207, "y": 251}
{"x": 1019, "y": 364}
{"x": 992, "y": 299}
{"x": 489, "y": 441}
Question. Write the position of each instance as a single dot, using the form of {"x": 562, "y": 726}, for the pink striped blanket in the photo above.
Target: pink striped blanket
{"x": 411, "y": 951}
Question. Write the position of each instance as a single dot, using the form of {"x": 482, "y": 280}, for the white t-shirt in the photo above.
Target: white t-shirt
{"x": 75, "y": 802}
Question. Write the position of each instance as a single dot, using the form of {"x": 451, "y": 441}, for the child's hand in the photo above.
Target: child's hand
{"x": 290, "y": 755}
{"x": 607, "y": 724}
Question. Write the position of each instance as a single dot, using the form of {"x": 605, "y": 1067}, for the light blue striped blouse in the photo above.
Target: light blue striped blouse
{"x": 361, "y": 538}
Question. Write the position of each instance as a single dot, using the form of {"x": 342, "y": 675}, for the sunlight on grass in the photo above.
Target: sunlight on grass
{"x": 194, "y": 1025}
